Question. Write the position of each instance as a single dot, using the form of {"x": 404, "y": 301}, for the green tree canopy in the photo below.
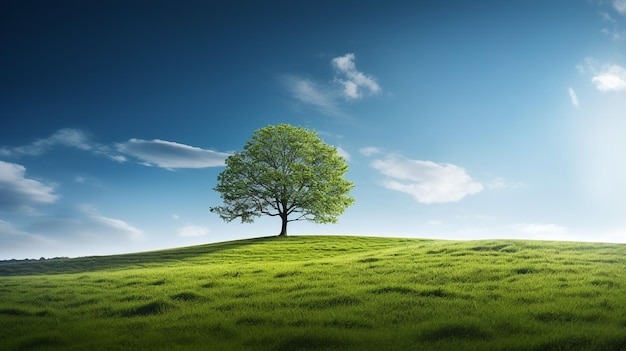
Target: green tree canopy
{"x": 284, "y": 171}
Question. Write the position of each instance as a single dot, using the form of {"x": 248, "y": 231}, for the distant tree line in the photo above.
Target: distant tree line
{"x": 13, "y": 260}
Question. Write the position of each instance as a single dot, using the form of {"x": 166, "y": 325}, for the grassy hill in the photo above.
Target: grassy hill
{"x": 323, "y": 293}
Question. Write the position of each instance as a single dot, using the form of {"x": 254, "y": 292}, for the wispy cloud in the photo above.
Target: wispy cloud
{"x": 614, "y": 30}
{"x": 370, "y": 150}
{"x": 540, "y": 230}
{"x": 500, "y": 183}
{"x": 85, "y": 224}
{"x": 193, "y": 231}
{"x": 19, "y": 193}
{"x": 573, "y": 97}
{"x": 71, "y": 231}
{"x": 620, "y": 6}
{"x": 165, "y": 154}
{"x": 117, "y": 225}
{"x": 428, "y": 182}
{"x": 171, "y": 155}
{"x": 65, "y": 137}
{"x": 356, "y": 84}
{"x": 313, "y": 94}
{"x": 14, "y": 241}
{"x": 348, "y": 84}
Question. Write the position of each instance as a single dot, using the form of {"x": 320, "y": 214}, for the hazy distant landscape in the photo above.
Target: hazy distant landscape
{"x": 323, "y": 293}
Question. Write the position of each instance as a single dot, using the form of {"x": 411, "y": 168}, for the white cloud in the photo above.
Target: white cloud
{"x": 18, "y": 192}
{"x": 573, "y": 97}
{"x": 620, "y": 6}
{"x": 171, "y": 155}
{"x": 500, "y": 183}
{"x": 426, "y": 181}
{"x": 343, "y": 153}
{"x": 614, "y": 31}
{"x": 370, "y": 150}
{"x": 117, "y": 225}
{"x": 14, "y": 241}
{"x": 356, "y": 84}
{"x": 65, "y": 137}
{"x": 610, "y": 78}
{"x": 193, "y": 231}
{"x": 70, "y": 232}
{"x": 607, "y": 18}
{"x": 313, "y": 94}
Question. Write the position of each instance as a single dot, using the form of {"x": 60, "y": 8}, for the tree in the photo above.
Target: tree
{"x": 284, "y": 171}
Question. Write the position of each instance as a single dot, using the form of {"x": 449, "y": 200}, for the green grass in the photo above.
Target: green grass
{"x": 323, "y": 293}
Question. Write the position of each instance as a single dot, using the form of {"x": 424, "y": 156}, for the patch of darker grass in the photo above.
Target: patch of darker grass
{"x": 148, "y": 309}
{"x": 186, "y": 296}
{"x": 307, "y": 342}
{"x": 332, "y": 302}
{"x": 12, "y": 311}
{"x": 232, "y": 274}
{"x": 347, "y": 324}
{"x": 552, "y": 316}
{"x": 436, "y": 293}
{"x": 287, "y": 274}
{"x": 500, "y": 248}
{"x": 208, "y": 285}
{"x": 395, "y": 290}
{"x": 87, "y": 302}
{"x": 609, "y": 284}
{"x": 616, "y": 343}
{"x": 410, "y": 291}
{"x": 525, "y": 270}
{"x": 251, "y": 321}
{"x": 570, "y": 343}
{"x": 369, "y": 260}
{"x": 43, "y": 342}
{"x": 456, "y": 331}
{"x": 158, "y": 282}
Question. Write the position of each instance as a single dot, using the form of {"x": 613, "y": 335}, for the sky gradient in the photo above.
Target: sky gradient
{"x": 459, "y": 120}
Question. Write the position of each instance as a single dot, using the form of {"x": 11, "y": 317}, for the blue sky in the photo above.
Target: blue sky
{"x": 459, "y": 120}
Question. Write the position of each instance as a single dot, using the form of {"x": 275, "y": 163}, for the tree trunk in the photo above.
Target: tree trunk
{"x": 283, "y": 230}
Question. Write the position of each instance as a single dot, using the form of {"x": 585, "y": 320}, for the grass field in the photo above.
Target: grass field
{"x": 323, "y": 293}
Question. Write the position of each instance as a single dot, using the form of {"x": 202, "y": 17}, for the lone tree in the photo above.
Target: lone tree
{"x": 284, "y": 171}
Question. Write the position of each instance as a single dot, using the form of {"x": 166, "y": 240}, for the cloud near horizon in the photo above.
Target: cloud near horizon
{"x": 171, "y": 155}
{"x": 540, "y": 230}
{"x": 61, "y": 233}
{"x": 426, "y": 181}
{"x": 193, "y": 231}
